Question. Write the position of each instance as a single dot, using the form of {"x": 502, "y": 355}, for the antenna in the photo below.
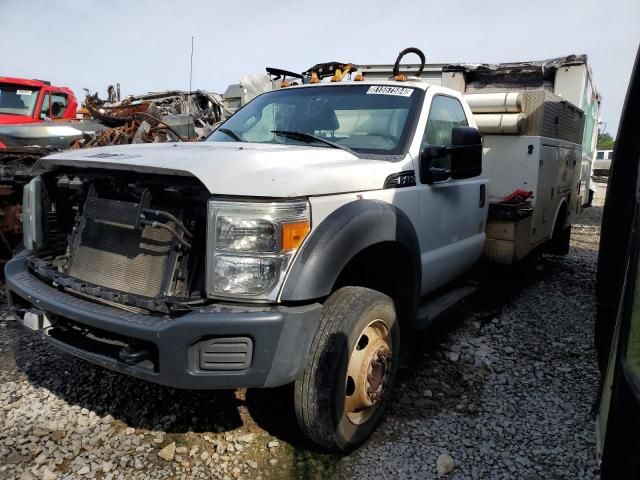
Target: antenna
{"x": 190, "y": 80}
{"x": 191, "y": 66}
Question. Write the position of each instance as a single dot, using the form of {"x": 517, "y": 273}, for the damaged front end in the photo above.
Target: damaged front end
{"x": 146, "y": 273}
{"x": 123, "y": 240}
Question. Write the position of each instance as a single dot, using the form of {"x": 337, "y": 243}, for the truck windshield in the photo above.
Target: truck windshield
{"x": 17, "y": 99}
{"x": 367, "y": 119}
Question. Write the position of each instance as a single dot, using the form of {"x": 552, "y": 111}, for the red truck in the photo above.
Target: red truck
{"x": 31, "y": 101}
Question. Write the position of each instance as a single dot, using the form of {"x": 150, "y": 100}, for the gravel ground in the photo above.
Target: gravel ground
{"x": 503, "y": 388}
{"x": 508, "y": 392}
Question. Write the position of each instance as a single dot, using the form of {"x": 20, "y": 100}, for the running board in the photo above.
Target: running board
{"x": 433, "y": 308}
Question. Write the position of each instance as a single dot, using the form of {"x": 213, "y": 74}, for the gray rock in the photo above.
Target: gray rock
{"x": 444, "y": 464}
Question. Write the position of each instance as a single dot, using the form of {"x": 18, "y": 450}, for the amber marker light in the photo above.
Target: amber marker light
{"x": 293, "y": 234}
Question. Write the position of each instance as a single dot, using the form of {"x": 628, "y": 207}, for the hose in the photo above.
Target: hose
{"x": 173, "y": 218}
{"x": 156, "y": 224}
{"x": 418, "y": 52}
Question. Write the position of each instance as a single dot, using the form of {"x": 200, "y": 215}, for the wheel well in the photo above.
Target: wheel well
{"x": 561, "y": 215}
{"x": 387, "y": 268}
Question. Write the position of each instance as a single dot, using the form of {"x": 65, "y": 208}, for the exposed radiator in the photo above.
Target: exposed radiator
{"x": 110, "y": 251}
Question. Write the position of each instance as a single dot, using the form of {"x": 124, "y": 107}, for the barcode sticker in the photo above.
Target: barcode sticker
{"x": 387, "y": 90}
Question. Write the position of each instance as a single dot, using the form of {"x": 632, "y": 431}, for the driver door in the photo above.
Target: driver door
{"x": 452, "y": 212}
{"x": 44, "y": 112}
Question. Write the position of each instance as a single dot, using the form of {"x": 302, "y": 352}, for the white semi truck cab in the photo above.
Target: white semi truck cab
{"x": 301, "y": 244}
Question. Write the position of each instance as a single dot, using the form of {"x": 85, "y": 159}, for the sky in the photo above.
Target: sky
{"x": 145, "y": 45}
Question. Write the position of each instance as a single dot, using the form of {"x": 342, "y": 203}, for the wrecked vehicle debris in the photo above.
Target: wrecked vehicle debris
{"x": 170, "y": 116}
{"x": 15, "y": 172}
{"x": 155, "y": 117}
{"x": 192, "y": 114}
{"x": 56, "y": 135}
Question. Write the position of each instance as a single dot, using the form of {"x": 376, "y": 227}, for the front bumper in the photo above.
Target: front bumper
{"x": 213, "y": 347}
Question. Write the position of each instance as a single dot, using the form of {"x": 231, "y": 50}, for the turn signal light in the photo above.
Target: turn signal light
{"x": 293, "y": 234}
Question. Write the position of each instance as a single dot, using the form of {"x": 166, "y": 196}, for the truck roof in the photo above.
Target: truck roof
{"x": 410, "y": 83}
{"x": 33, "y": 82}
{"x": 24, "y": 81}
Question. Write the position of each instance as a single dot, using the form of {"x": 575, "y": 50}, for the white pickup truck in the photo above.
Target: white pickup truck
{"x": 301, "y": 244}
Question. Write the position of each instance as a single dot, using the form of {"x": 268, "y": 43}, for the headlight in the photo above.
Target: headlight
{"x": 250, "y": 246}
{"x": 32, "y": 214}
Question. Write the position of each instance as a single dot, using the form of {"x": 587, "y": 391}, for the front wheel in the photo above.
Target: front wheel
{"x": 343, "y": 392}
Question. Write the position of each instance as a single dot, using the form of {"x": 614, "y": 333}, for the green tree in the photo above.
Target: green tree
{"x": 606, "y": 142}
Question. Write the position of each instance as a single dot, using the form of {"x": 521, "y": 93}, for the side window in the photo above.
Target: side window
{"x": 44, "y": 110}
{"x": 445, "y": 114}
{"x": 58, "y": 105}
{"x": 600, "y": 155}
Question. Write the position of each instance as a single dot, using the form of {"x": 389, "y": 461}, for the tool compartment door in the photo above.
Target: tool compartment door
{"x": 545, "y": 197}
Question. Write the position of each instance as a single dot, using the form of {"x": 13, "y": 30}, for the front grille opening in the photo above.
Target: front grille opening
{"x": 131, "y": 351}
{"x": 124, "y": 238}
{"x": 121, "y": 256}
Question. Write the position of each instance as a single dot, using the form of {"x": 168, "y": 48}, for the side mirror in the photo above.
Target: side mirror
{"x": 465, "y": 154}
{"x": 429, "y": 173}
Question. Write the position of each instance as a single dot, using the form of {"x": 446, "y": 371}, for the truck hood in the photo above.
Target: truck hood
{"x": 246, "y": 169}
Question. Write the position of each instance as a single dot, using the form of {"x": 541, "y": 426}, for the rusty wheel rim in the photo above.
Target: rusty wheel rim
{"x": 368, "y": 372}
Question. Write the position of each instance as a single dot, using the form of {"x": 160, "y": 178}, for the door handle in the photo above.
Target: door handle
{"x": 483, "y": 195}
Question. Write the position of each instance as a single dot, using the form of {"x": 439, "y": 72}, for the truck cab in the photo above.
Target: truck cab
{"x": 31, "y": 101}
{"x": 302, "y": 244}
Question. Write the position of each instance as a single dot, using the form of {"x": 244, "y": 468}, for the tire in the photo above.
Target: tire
{"x": 356, "y": 324}
{"x": 602, "y": 338}
{"x": 561, "y": 238}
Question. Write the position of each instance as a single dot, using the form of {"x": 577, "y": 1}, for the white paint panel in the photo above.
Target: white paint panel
{"x": 570, "y": 83}
{"x": 241, "y": 169}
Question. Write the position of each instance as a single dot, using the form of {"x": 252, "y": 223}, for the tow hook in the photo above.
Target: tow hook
{"x": 131, "y": 355}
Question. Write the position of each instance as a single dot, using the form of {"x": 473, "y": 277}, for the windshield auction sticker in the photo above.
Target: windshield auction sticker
{"x": 386, "y": 90}
{"x": 24, "y": 92}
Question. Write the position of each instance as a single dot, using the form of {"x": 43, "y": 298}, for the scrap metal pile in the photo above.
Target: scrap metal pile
{"x": 172, "y": 116}
{"x": 155, "y": 117}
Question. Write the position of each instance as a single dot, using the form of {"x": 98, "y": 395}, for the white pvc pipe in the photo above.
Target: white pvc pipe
{"x": 500, "y": 123}
{"x": 509, "y": 102}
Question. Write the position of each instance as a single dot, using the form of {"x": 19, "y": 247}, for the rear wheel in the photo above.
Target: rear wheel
{"x": 561, "y": 238}
{"x": 341, "y": 397}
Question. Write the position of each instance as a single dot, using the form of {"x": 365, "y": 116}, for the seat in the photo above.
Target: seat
{"x": 325, "y": 120}
{"x": 57, "y": 109}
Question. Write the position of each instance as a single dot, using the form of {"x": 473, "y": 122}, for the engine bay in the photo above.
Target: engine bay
{"x": 125, "y": 239}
